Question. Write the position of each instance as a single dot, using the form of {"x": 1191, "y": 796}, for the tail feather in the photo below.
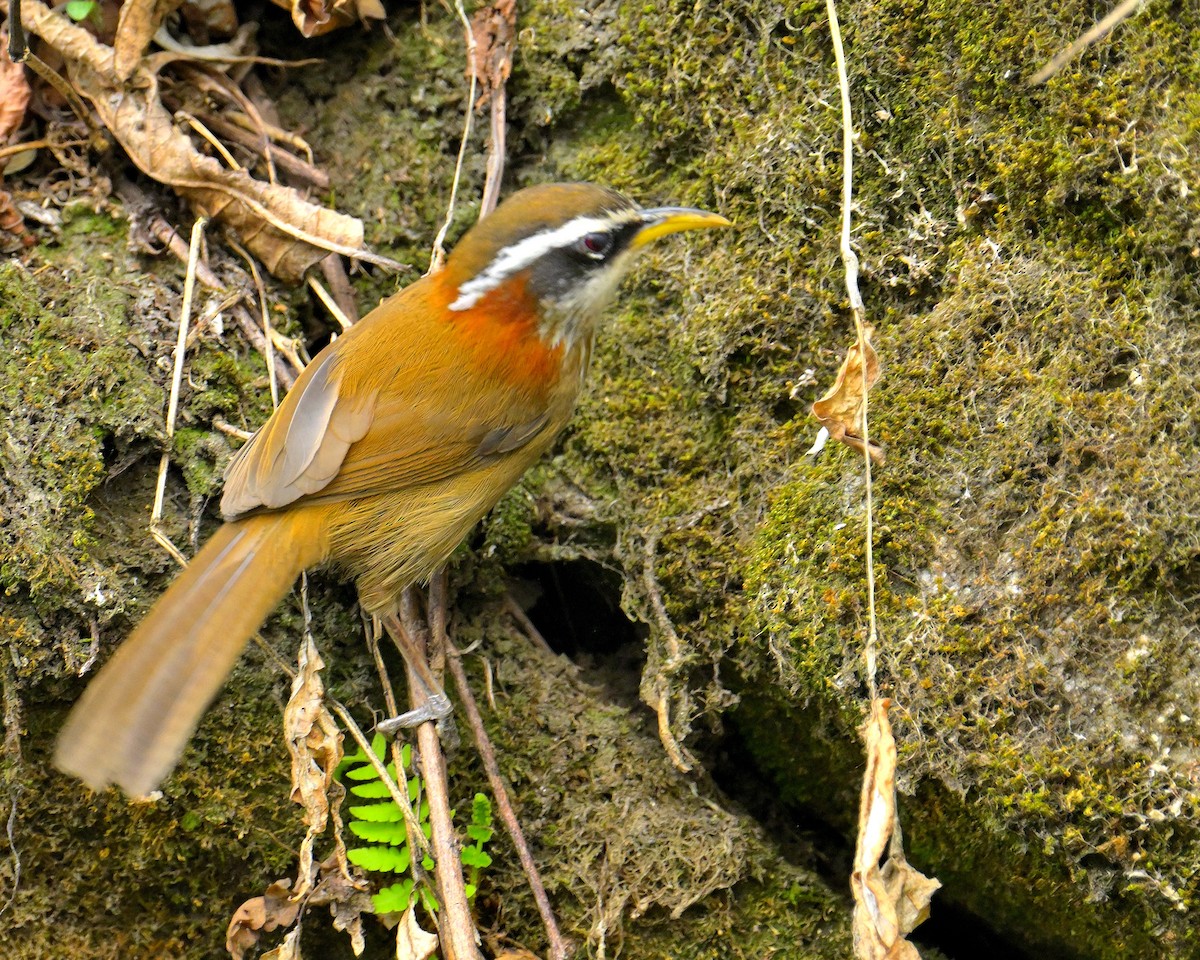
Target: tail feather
{"x": 136, "y": 716}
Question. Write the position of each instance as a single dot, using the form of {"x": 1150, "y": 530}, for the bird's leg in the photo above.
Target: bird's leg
{"x": 424, "y": 656}
{"x": 455, "y": 927}
{"x": 430, "y": 702}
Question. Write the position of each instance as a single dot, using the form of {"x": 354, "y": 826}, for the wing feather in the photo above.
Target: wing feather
{"x": 338, "y": 437}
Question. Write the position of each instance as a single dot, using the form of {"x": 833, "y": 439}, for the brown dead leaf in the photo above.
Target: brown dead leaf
{"x": 209, "y": 19}
{"x": 14, "y": 94}
{"x": 137, "y": 24}
{"x": 13, "y": 235}
{"x": 286, "y": 232}
{"x": 289, "y": 949}
{"x": 315, "y": 17}
{"x": 413, "y": 943}
{"x": 315, "y": 744}
{"x": 259, "y": 915}
{"x": 347, "y": 897}
{"x": 494, "y": 28}
{"x": 840, "y": 410}
{"x": 889, "y": 902}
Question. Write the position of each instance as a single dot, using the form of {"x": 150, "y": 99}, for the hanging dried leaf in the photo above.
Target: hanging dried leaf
{"x": 289, "y": 949}
{"x": 347, "y": 897}
{"x": 889, "y": 902}
{"x": 413, "y": 943}
{"x": 259, "y": 915}
{"x": 14, "y": 93}
{"x": 315, "y": 17}
{"x": 494, "y": 28}
{"x": 841, "y": 409}
{"x": 315, "y": 744}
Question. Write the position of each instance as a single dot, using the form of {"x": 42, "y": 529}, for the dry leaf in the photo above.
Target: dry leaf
{"x": 889, "y": 902}
{"x": 347, "y": 897}
{"x": 14, "y": 93}
{"x": 137, "y": 24}
{"x": 315, "y": 17}
{"x": 413, "y": 943}
{"x": 494, "y": 28}
{"x": 288, "y": 950}
{"x": 257, "y": 915}
{"x": 315, "y": 744}
{"x": 13, "y": 235}
{"x": 841, "y": 409}
{"x": 276, "y": 223}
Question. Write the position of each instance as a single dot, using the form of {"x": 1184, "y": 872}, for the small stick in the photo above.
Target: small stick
{"x": 558, "y": 946}
{"x": 458, "y": 929}
{"x": 850, "y": 261}
{"x": 339, "y": 286}
{"x": 438, "y": 257}
{"x": 1101, "y": 29}
{"x": 189, "y": 284}
{"x": 268, "y": 332}
{"x": 330, "y": 304}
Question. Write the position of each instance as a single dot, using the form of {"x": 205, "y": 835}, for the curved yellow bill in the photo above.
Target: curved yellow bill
{"x": 663, "y": 220}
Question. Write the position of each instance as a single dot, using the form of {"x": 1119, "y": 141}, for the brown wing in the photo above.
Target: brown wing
{"x": 389, "y": 424}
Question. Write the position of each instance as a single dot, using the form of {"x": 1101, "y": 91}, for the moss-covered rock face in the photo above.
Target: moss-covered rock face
{"x": 1029, "y": 257}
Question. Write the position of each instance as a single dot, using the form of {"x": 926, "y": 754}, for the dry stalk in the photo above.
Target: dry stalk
{"x": 1101, "y": 29}
{"x": 189, "y": 284}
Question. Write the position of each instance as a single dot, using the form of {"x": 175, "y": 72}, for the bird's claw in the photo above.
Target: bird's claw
{"x": 437, "y": 709}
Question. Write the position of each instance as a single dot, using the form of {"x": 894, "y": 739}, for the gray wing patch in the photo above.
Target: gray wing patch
{"x": 272, "y": 471}
{"x": 507, "y": 439}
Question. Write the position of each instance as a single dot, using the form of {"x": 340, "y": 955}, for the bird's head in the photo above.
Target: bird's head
{"x": 559, "y": 249}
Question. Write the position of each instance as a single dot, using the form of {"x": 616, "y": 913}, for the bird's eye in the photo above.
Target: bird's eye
{"x": 595, "y": 245}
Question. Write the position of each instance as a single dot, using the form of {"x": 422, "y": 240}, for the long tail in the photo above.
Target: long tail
{"x": 136, "y": 716}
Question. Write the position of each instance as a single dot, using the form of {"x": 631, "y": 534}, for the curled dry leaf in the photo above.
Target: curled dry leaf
{"x": 259, "y": 915}
{"x": 841, "y": 409}
{"x": 494, "y": 28}
{"x": 286, "y": 232}
{"x": 347, "y": 897}
{"x": 889, "y": 902}
{"x": 289, "y": 949}
{"x": 137, "y": 23}
{"x": 315, "y": 17}
{"x": 14, "y": 94}
{"x": 413, "y": 943}
{"x": 315, "y": 744}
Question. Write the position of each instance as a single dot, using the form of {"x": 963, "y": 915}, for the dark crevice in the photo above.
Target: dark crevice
{"x": 576, "y": 606}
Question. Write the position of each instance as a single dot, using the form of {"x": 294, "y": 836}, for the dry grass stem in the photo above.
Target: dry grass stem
{"x": 1102, "y": 28}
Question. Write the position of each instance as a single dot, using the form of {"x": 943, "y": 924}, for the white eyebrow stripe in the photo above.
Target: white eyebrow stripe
{"x": 518, "y": 256}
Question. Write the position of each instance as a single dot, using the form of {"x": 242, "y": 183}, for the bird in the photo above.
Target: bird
{"x": 393, "y": 443}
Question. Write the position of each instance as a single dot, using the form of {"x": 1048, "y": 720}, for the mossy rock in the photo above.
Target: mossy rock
{"x": 1029, "y": 260}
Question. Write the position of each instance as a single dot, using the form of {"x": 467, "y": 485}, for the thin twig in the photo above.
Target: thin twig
{"x": 399, "y": 797}
{"x": 339, "y": 286}
{"x": 185, "y": 313}
{"x": 558, "y": 947}
{"x": 371, "y": 628}
{"x": 850, "y": 260}
{"x": 457, "y": 929}
{"x": 330, "y": 304}
{"x": 438, "y": 256}
{"x": 1101, "y": 29}
{"x": 267, "y": 330}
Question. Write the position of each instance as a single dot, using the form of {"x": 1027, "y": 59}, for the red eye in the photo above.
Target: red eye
{"x": 596, "y": 244}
